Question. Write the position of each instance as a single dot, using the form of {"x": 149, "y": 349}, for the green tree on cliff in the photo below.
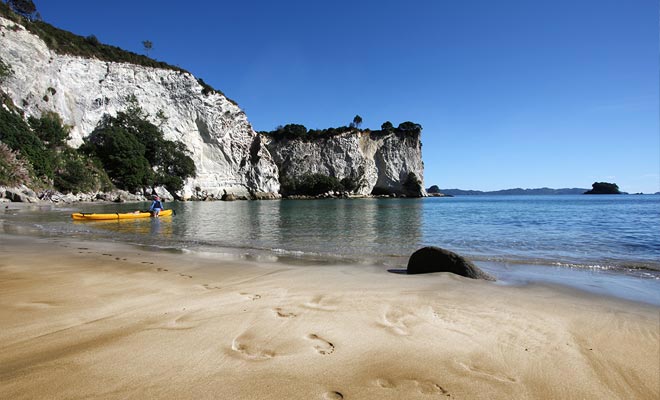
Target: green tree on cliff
{"x": 148, "y": 45}
{"x": 5, "y": 71}
{"x": 387, "y": 126}
{"x": 25, "y": 8}
{"x": 409, "y": 127}
{"x": 135, "y": 154}
{"x": 357, "y": 121}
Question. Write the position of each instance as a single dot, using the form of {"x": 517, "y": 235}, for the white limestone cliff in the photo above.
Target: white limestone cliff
{"x": 229, "y": 155}
{"x": 223, "y": 145}
{"x": 380, "y": 162}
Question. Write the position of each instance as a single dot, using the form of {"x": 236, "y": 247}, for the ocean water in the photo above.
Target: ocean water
{"x": 604, "y": 234}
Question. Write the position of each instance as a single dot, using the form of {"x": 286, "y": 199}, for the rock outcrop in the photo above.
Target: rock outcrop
{"x": 380, "y": 163}
{"x": 435, "y": 259}
{"x": 20, "y": 194}
{"x": 226, "y": 150}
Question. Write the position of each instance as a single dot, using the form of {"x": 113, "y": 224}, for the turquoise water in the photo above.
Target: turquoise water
{"x": 617, "y": 234}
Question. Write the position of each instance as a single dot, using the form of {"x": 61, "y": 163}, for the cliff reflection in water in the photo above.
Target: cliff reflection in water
{"x": 361, "y": 227}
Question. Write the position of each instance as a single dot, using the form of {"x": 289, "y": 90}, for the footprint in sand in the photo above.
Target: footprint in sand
{"x": 321, "y": 345}
{"x": 317, "y": 303}
{"x": 35, "y": 305}
{"x": 209, "y": 287}
{"x": 283, "y": 314}
{"x": 245, "y": 345}
{"x": 147, "y": 262}
{"x": 398, "y": 321}
{"x": 487, "y": 374}
{"x": 333, "y": 396}
{"x": 251, "y": 296}
{"x": 184, "y": 321}
{"x": 406, "y": 385}
{"x": 185, "y": 275}
{"x": 106, "y": 254}
{"x": 161, "y": 270}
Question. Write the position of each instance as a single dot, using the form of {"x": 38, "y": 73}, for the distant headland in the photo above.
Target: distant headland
{"x": 597, "y": 188}
{"x": 512, "y": 192}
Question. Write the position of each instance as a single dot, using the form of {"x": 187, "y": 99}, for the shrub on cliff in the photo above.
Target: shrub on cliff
{"x": 13, "y": 169}
{"x": 387, "y": 126}
{"x": 77, "y": 173}
{"x": 39, "y": 155}
{"x": 297, "y": 131}
{"x": 409, "y": 127}
{"x": 135, "y": 154}
{"x": 18, "y": 135}
{"x": 25, "y": 8}
{"x": 121, "y": 153}
{"x": 5, "y": 71}
{"x": 50, "y": 129}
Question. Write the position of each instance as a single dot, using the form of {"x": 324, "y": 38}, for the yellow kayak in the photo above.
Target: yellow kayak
{"x": 99, "y": 217}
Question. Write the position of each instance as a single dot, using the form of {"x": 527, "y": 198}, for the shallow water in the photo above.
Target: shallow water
{"x": 620, "y": 234}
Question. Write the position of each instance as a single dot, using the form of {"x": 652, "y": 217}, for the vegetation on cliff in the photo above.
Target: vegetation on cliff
{"x": 34, "y": 152}
{"x": 135, "y": 154}
{"x": 126, "y": 151}
{"x": 68, "y": 43}
{"x": 297, "y": 131}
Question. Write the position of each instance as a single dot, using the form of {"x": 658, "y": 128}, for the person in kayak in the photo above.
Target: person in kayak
{"x": 156, "y": 207}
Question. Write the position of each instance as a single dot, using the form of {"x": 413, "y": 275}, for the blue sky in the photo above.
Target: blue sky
{"x": 510, "y": 93}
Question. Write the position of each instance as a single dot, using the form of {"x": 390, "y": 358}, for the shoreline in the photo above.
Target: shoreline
{"x": 642, "y": 280}
{"x": 101, "y": 319}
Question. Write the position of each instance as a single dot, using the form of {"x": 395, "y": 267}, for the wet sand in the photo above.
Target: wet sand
{"x": 106, "y": 320}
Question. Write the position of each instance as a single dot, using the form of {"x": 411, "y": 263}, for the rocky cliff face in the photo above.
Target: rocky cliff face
{"x": 226, "y": 150}
{"x": 229, "y": 155}
{"x": 379, "y": 162}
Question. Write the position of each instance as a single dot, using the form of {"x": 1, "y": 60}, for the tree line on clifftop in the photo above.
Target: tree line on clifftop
{"x": 298, "y": 131}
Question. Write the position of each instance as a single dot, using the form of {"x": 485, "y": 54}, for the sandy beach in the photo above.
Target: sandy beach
{"x": 104, "y": 320}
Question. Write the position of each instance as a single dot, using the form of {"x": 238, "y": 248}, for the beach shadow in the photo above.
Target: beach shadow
{"x": 398, "y": 271}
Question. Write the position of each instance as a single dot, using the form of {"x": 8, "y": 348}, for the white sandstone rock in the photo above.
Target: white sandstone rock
{"x": 82, "y": 90}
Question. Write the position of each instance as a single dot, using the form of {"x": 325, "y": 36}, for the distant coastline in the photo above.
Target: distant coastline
{"x": 513, "y": 192}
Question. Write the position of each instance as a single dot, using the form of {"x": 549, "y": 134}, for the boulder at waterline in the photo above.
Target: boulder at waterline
{"x": 435, "y": 259}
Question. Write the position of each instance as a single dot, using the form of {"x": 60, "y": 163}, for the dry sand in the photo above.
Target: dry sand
{"x": 98, "y": 320}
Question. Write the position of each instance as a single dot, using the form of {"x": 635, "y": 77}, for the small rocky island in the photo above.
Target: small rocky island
{"x": 603, "y": 188}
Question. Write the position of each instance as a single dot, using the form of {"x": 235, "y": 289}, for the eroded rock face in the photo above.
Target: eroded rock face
{"x": 379, "y": 162}
{"x": 435, "y": 259}
{"x": 227, "y": 152}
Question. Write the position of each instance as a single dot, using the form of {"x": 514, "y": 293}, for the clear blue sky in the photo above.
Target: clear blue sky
{"x": 522, "y": 93}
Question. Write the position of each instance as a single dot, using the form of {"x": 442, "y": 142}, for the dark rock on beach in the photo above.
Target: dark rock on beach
{"x": 434, "y": 259}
